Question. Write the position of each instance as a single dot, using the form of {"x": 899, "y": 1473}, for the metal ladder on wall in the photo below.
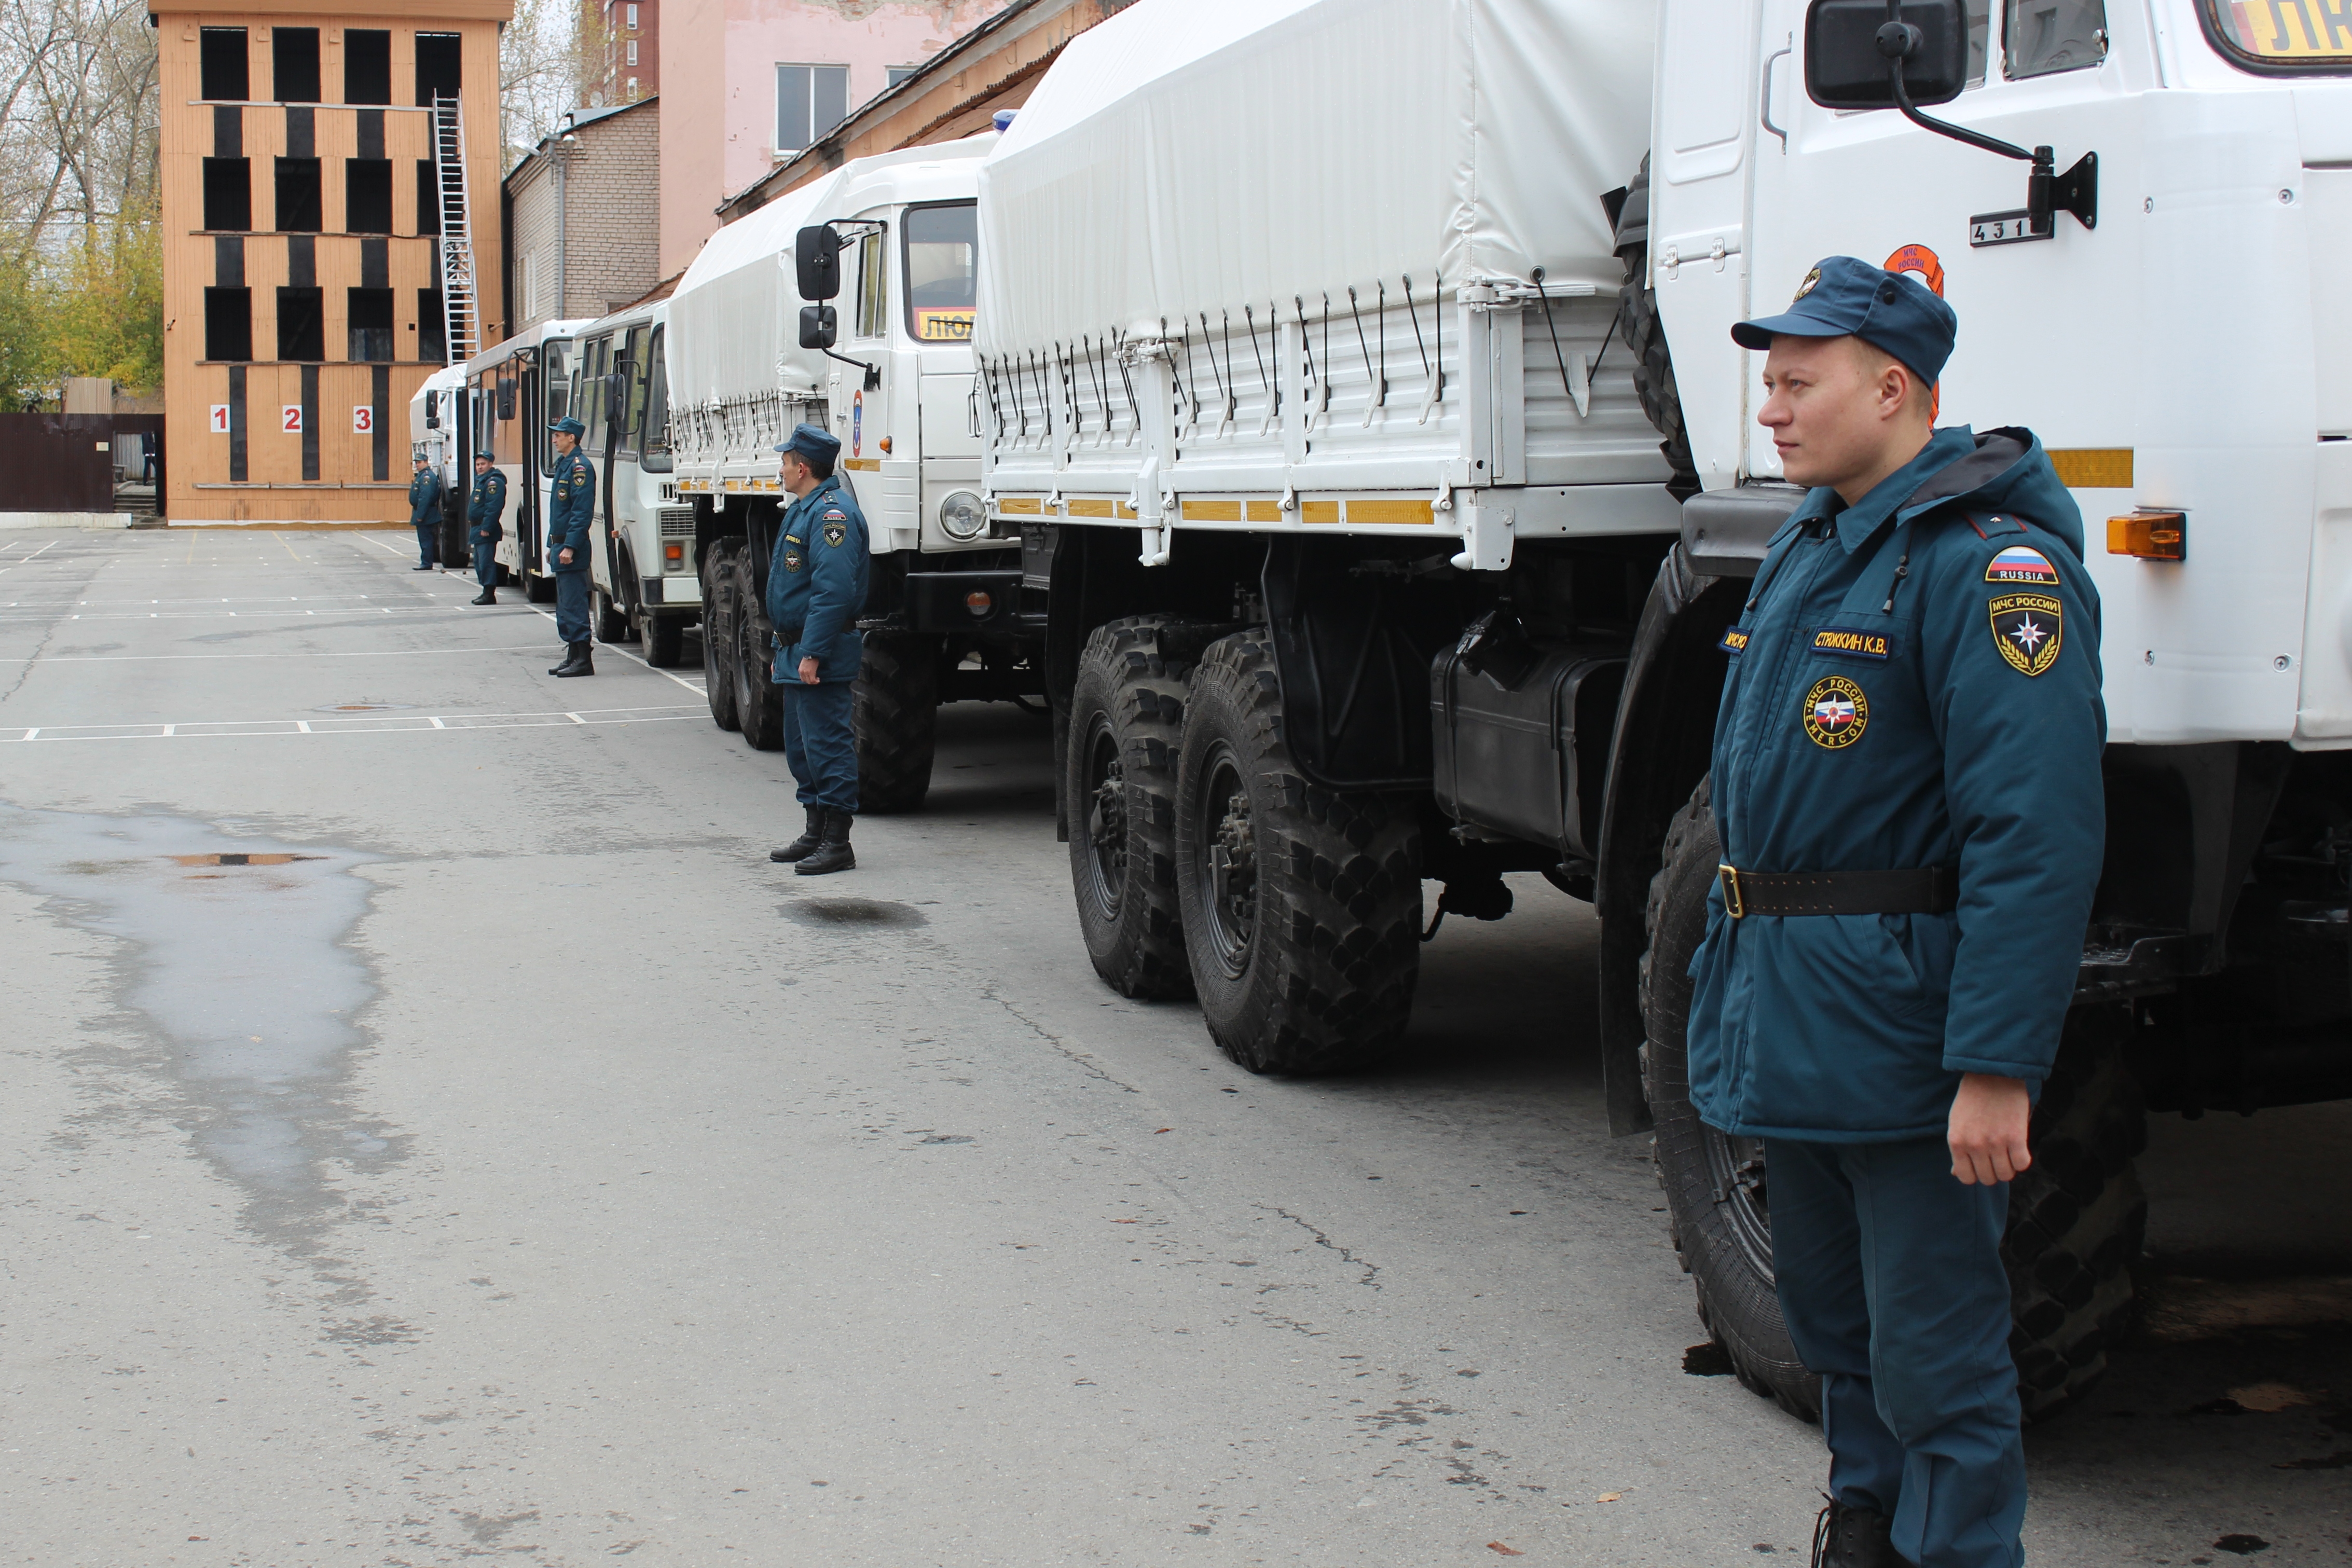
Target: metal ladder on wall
{"x": 460, "y": 300}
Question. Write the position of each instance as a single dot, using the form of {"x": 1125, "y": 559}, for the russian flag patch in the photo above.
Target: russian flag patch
{"x": 2022, "y": 564}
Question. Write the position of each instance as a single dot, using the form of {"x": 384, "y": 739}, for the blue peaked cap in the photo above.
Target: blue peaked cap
{"x": 1843, "y": 297}
{"x": 569, "y": 427}
{"x": 810, "y": 442}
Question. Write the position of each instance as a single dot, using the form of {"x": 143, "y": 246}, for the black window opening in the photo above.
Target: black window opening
{"x": 439, "y": 67}
{"x": 294, "y": 64}
{"x": 228, "y": 195}
{"x": 428, "y": 197}
{"x": 222, "y": 68}
{"x": 302, "y": 324}
{"x": 367, "y": 195}
{"x": 367, "y": 66}
{"x": 371, "y": 324}
{"x": 299, "y": 205}
{"x": 228, "y": 323}
{"x": 432, "y": 328}
{"x": 656, "y": 443}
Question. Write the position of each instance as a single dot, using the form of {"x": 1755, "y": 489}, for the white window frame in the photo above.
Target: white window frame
{"x": 633, "y": 52}
{"x": 633, "y": 15}
{"x": 808, "y": 133}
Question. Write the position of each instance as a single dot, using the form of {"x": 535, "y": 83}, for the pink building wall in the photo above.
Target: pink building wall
{"x": 719, "y": 86}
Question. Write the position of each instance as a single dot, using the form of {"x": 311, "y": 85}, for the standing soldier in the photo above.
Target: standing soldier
{"x": 816, "y": 590}
{"x": 482, "y": 514}
{"x": 1907, "y": 788}
{"x": 571, "y": 492}
{"x": 425, "y": 511}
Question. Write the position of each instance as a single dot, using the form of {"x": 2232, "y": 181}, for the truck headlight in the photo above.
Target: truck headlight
{"x": 962, "y": 517}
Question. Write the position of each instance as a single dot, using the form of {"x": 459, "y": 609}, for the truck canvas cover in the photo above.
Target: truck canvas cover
{"x": 1191, "y": 155}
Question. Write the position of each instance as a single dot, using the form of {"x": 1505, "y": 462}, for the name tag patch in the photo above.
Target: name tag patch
{"x": 1735, "y": 640}
{"x": 1836, "y": 712}
{"x": 1853, "y": 644}
{"x": 2022, "y": 564}
{"x": 2028, "y": 628}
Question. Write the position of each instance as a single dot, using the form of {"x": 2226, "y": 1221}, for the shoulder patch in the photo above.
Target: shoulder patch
{"x": 1852, "y": 642}
{"x": 834, "y": 533}
{"x": 2022, "y": 564}
{"x": 2028, "y": 630}
{"x": 1836, "y": 713}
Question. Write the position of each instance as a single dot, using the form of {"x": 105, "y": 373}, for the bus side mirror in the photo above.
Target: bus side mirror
{"x": 432, "y": 411}
{"x": 816, "y": 260}
{"x": 1852, "y": 49}
{"x": 819, "y": 326}
{"x": 505, "y": 400}
{"x": 616, "y": 395}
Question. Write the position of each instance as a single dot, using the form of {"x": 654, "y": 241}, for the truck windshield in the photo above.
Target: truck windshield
{"x": 2282, "y": 35}
{"x": 942, "y": 271}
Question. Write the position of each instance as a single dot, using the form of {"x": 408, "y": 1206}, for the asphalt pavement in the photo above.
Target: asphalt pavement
{"x": 430, "y": 1129}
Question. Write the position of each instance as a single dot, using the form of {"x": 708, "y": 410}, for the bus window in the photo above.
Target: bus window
{"x": 633, "y": 412}
{"x": 555, "y": 389}
{"x": 656, "y": 447}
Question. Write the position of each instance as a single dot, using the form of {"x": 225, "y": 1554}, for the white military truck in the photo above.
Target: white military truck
{"x": 1325, "y": 347}
{"x": 751, "y": 353}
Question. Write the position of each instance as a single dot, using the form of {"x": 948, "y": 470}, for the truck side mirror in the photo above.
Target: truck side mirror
{"x": 432, "y": 411}
{"x": 817, "y": 259}
{"x": 1852, "y": 49}
{"x": 505, "y": 400}
{"x": 819, "y": 325}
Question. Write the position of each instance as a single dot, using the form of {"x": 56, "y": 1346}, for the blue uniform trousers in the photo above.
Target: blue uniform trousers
{"x": 818, "y": 744}
{"x": 571, "y": 606}
{"x": 424, "y": 532}
{"x": 1890, "y": 1278}
{"x": 486, "y": 563}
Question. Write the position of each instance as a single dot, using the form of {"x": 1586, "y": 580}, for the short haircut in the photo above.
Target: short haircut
{"x": 820, "y": 466}
{"x": 1876, "y": 358}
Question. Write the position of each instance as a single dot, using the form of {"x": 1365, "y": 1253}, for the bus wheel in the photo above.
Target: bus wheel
{"x": 664, "y": 639}
{"x": 1301, "y": 905}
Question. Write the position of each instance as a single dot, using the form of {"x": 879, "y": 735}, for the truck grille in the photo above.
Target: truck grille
{"x": 676, "y": 522}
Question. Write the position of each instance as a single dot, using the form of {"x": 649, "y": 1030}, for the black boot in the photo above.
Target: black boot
{"x": 834, "y": 854}
{"x": 1848, "y": 1537}
{"x": 571, "y": 655}
{"x": 487, "y": 597}
{"x": 581, "y": 662}
{"x": 810, "y": 837}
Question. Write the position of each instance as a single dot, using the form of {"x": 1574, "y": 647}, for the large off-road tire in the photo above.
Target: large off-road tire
{"x": 894, "y": 713}
{"x": 1127, "y": 722}
{"x": 2076, "y": 1219}
{"x": 1645, "y": 336}
{"x": 1725, "y": 1244}
{"x": 1301, "y": 905}
{"x": 718, "y": 630}
{"x": 759, "y": 701}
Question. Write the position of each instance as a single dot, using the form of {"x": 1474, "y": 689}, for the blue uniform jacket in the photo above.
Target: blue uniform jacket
{"x": 571, "y": 503}
{"x": 424, "y": 498}
{"x": 817, "y": 584}
{"x": 488, "y": 505}
{"x": 1961, "y": 726}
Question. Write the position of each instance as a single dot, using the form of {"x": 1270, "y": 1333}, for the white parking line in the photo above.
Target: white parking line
{"x": 357, "y": 725}
{"x": 373, "y": 653}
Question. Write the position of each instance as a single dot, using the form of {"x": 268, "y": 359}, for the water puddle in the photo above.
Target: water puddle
{"x": 851, "y": 912}
{"x": 231, "y": 955}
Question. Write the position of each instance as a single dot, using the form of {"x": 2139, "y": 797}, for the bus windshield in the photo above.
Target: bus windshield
{"x": 2281, "y": 36}
{"x": 942, "y": 271}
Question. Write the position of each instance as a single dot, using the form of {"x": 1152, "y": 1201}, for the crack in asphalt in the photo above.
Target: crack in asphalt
{"x": 1083, "y": 1059}
{"x": 1347, "y": 1256}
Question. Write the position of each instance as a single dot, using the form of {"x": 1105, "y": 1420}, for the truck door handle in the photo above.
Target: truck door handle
{"x": 1764, "y": 107}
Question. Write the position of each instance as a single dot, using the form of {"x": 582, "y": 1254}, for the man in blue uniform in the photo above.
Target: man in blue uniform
{"x": 425, "y": 511}
{"x": 482, "y": 514}
{"x": 571, "y": 503}
{"x": 1907, "y": 787}
{"x": 816, "y": 590}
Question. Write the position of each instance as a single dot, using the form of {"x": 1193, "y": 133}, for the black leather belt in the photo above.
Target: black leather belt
{"x": 1929, "y": 890}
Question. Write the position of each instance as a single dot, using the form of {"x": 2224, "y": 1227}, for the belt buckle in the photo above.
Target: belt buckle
{"x": 1733, "y": 904}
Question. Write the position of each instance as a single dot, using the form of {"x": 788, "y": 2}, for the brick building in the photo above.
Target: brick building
{"x": 583, "y": 217}
{"x": 629, "y": 32}
{"x": 303, "y": 201}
